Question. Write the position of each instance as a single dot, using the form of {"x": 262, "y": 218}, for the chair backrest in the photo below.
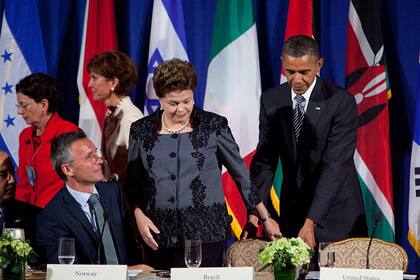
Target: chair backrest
{"x": 352, "y": 252}
{"x": 245, "y": 253}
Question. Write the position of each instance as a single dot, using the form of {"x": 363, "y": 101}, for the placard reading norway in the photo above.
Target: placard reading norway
{"x": 86, "y": 272}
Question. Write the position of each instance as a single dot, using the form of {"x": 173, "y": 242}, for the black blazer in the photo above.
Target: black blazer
{"x": 19, "y": 214}
{"x": 319, "y": 175}
{"x": 63, "y": 217}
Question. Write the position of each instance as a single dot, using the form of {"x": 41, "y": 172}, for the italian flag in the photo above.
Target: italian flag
{"x": 233, "y": 88}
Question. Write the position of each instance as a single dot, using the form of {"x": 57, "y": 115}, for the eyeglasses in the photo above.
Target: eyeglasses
{"x": 93, "y": 156}
{"x": 90, "y": 157}
{"x": 5, "y": 174}
{"x": 24, "y": 106}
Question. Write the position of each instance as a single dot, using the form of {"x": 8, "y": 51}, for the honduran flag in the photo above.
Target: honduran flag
{"x": 99, "y": 35}
{"x": 233, "y": 88}
{"x": 366, "y": 80}
{"x": 167, "y": 40}
{"x": 21, "y": 53}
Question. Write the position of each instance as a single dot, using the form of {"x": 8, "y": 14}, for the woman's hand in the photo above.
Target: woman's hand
{"x": 272, "y": 228}
{"x": 250, "y": 228}
{"x": 146, "y": 226}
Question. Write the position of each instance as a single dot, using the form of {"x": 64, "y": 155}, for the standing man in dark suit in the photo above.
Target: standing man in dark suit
{"x": 15, "y": 213}
{"x": 71, "y": 212}
{"x": 311, "y": 125}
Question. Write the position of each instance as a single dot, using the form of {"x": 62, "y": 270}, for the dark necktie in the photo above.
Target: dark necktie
{"x": 109, "y": 248}
{"x": 298, "y": 115}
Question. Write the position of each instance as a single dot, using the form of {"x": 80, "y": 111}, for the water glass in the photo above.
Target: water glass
{"x": 193, "y": 253}
{"x": 15, "y": 233}
{"x": 326, "y": 255}
{"x": 66, "y": 252}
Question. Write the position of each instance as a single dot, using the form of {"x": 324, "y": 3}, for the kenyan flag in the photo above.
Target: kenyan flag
{"x": 366, "y": 79}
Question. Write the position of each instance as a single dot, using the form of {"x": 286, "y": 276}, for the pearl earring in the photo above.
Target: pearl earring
{"x": 112, "y": 88}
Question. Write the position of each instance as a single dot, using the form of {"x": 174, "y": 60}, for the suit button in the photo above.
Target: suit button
{"x": 173, "y": 177}
{"x": 172, "y": 199}
{"x": 173, "y": 154}
{"x": 174, "y": 135}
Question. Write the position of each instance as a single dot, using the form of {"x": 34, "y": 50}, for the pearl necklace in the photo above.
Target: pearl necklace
{"x": 178, "y": 130}
{"x": 109, "y": 112}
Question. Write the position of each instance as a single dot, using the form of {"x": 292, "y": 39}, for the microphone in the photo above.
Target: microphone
{"x": 378, "y": 218}
{"x": 101, "y": 233}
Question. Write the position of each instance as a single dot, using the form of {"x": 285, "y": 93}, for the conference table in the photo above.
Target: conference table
{"x": 152, "y": 275}
{"x": 145, "y": 275}
{"x": 263, "y": 275}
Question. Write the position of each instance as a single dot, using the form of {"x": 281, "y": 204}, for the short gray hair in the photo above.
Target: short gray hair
{"x": 61, "y": 150}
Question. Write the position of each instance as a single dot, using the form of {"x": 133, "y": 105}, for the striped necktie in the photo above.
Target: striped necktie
{"x": 298, "y": 115}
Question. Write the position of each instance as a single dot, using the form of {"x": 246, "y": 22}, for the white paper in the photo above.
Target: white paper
{"x": 134, "y": 272}
{"x": 213, "y": 273}
{"x": 359, "y": 274}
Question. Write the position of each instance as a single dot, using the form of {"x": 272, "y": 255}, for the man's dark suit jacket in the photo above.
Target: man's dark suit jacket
{"x": 20, "y": 214}
{"x": 319, "y": 175}
{"x": 63, "y": 217}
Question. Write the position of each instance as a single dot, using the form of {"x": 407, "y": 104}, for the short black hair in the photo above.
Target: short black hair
{"x": 40, "y": 86}
{"x": 300, "y": 45}
{"x": 61, "y": 152}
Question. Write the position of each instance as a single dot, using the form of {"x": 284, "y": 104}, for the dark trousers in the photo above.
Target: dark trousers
{"x": 165, "y": 258}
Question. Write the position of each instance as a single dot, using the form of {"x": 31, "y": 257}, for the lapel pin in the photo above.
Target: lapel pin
{"x": 317, "y": 108}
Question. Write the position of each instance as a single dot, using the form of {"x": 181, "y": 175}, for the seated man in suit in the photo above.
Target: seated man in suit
{"x": 86, "y": 208}
{"x": 15, "y": 213}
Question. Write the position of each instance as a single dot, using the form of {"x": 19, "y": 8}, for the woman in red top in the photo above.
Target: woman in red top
{"x": 38, "y": 98}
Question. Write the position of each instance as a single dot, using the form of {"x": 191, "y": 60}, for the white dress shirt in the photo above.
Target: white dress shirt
{"x": 82, "y": 198}
{"x": 306, "y": 95}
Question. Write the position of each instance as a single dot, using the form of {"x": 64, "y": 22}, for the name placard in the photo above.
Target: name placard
{"x": 212, "y": 273}
{"x": 359, "y": 274}
{"x": 86, "y": 272}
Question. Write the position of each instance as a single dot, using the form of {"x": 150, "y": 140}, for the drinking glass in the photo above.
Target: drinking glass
{"x": 15, "y": 233}
{"x": 326, "y": 255}
{"x": 193, "y": 254}
{"x": 66, "y": 253}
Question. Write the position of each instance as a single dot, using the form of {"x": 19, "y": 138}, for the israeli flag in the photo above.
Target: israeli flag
{"x": 21, "y": 53}
{"x": 167, "y": 40}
